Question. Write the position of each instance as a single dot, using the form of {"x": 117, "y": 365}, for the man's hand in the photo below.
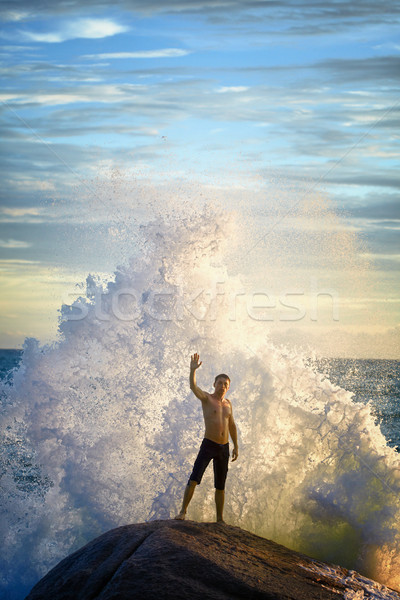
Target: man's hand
{"x": 194, "y": 362}
{"x": 235, "y": 454}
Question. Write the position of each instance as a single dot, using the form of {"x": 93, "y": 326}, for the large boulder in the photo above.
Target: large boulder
{"x": 184, "y": 559}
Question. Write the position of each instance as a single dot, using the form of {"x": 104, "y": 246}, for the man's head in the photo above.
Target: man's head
{"x": 222, "y": 383}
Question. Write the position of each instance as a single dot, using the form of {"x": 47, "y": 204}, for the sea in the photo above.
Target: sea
{"x": 100, "y": 429}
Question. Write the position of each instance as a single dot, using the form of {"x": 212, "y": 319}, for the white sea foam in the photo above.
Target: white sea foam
{"x": 107, "y": 417}
{"x": 357, "y": 587}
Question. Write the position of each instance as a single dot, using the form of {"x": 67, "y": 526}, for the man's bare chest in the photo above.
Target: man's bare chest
{"x": 217, "y": 409}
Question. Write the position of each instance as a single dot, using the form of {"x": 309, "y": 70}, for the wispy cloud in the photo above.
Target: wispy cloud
{"x": 375, "y": 68}
{"x": 388, "y": 46}
{"x": 233, "y": 88}
{"x": 380, "y": 208}
{"x": 20, "y": 212}
{"x": 315, "y": 15}
{"x": 100, "y": 93}
{"x": 161, "y": 53}
{"x": 7, "y": 262}
{"x": 14, "y": 244}
{"x": 15, "y": 48}
{"x": 79, "y": 28}
{"x": 14, "y": 15}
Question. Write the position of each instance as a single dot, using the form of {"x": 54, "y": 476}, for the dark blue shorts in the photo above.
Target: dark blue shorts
{"x": 219, "y": 453}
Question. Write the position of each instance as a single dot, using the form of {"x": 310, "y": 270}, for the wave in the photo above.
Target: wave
{"x": 101, "y": 428}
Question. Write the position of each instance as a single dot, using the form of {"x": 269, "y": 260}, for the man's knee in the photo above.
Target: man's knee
{"x": 192, "y": 483}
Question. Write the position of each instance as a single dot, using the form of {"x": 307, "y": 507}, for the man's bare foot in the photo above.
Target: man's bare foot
{"x": 220, "y": 521}
{"x": 180, "y": 517}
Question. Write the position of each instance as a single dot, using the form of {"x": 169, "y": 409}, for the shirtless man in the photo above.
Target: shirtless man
{"x": 219, "y": 423}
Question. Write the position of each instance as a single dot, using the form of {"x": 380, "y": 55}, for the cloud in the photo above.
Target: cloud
{"x": 57, "y": 129}
{"x": 377, "y": 179}
{"x": 316, "y": 11}
{"x": 161, "y": 53}
{"x": 14, "y": 244}
{"x": 36, "y": 70}
{"x": 7, "y": 262}
{"x": 237, "y": 88}
{"x": 15, "y": 48}
{"x": 25, "y": 214}
{"x": 385, "y": 209}
{"x": 388, "y": 46}
{"x": 14, "y": 15}
{"x": 92, "y": 93}
{"x": 385, "y": 242}
{"x": 79, "y": 28}
{"x": 373, "y": 69}
{"x": 20, "y": 212}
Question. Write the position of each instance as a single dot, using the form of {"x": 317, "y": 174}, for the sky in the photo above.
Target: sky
{"x": 98, "y": 101}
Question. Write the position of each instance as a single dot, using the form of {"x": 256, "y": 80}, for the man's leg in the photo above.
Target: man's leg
{"x": 219, "y": 503}
{"x": 187, "y": 496}
{"x": 200, "y": 464}
{"x": 220, "y": 464}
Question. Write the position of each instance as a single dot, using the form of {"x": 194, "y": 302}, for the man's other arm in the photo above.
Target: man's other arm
{"x": 233, "y": 432}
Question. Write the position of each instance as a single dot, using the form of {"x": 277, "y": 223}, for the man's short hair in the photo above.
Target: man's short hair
{"x": 224, "y": 376}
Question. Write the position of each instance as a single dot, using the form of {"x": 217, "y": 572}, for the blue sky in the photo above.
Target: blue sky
{"x": 306, "y": 90}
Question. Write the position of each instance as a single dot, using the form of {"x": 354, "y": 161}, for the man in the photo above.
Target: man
{"x": 219, "y": 423}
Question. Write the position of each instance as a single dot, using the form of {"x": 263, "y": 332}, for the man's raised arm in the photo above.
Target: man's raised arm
{"x": 195, "y": 364}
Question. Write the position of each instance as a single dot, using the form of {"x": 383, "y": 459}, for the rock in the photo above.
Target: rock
{"x": 163, "y": 560}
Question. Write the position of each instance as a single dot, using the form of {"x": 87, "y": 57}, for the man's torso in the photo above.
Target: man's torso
{"x": 216, "y": 419}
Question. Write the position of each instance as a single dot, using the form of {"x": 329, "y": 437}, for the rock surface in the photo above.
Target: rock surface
{"x": 184, "y": 559}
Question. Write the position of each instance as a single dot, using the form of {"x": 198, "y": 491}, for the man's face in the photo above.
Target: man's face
{"x": 221, "y": 385}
